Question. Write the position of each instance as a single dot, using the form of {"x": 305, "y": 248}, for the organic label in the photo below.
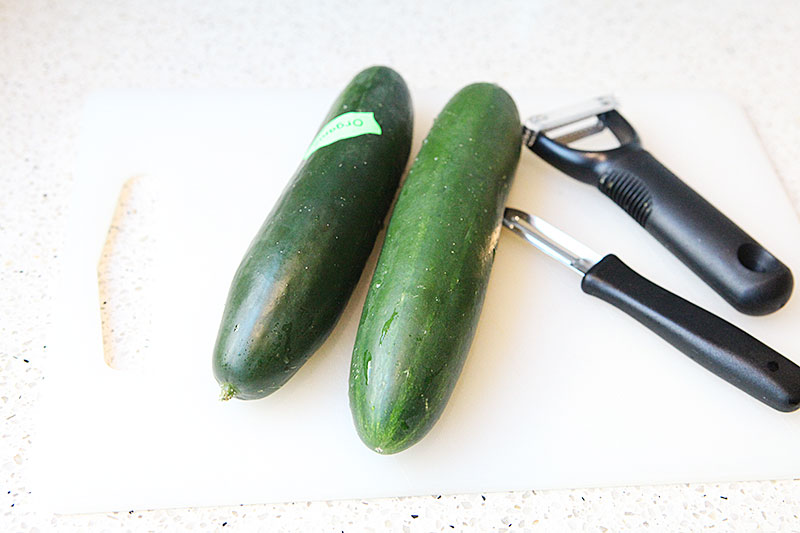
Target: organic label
{"x": 344, "y": 126}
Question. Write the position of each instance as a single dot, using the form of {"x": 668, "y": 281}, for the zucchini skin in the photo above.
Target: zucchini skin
{"x": 300, "y": 269}
{"x": 426, "y": 294}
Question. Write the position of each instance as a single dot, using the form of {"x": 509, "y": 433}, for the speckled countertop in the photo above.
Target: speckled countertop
{"x": 52, "y": 54}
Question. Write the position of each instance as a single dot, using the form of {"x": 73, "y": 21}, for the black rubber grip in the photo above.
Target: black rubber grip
{"x": 729, "y": 260}
{"x": 718, "y": 345}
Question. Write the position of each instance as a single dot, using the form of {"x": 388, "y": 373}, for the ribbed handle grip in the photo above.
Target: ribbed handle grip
{"x": 731, "y": 262}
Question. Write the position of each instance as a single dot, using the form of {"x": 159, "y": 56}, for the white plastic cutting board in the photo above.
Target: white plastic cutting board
{"x": 559, "y": 389}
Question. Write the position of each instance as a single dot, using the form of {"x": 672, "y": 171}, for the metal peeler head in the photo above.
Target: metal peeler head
{"x": 565, "y": 116}
{"x": 578, "y": 121}
{"x": 550, "y": 134}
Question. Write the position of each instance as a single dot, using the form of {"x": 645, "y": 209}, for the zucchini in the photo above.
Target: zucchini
{"x": 425, "y": 297}
{"x": 306, "y": 259}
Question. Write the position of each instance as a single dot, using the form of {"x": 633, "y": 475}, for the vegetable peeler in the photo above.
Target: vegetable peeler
{"x": 709, "y": 340}
{"x": 731, "y": 262}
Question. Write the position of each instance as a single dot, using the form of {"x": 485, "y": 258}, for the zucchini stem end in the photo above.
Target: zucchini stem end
{"x": 227, "y": 392}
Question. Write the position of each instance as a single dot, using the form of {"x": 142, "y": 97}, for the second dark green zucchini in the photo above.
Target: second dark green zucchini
{"x": 426, "y": 294}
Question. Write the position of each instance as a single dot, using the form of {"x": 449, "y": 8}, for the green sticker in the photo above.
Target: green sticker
{"x": 344, "y": 126}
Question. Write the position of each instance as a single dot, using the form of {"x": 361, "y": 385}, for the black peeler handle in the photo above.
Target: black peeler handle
{"x": 731, "y": 262}
{"x": 716, "y": 344}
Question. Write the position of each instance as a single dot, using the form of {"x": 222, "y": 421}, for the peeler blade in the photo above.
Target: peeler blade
{"x": 551, "y": 240}
{"x": 566, "y": 116}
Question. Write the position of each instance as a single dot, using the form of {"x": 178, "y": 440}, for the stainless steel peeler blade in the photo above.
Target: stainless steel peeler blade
{"x": 551, "y": 240}
{"x": 559, "y": 118}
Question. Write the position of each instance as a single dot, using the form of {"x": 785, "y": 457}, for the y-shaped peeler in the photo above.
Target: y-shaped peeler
{"x": 731, "y": 262}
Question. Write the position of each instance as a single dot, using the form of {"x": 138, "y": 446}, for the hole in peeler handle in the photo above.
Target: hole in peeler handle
{"x": 755, "y": 258}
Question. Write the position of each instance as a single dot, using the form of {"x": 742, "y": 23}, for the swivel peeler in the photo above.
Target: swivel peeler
{"x": 709, "y": 340}
{"x": 731, "y": 262}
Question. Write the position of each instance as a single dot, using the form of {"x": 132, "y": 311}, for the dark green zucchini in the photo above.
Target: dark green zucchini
{"x": 428, "y": 288}
{"x": 299, "y": 271}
